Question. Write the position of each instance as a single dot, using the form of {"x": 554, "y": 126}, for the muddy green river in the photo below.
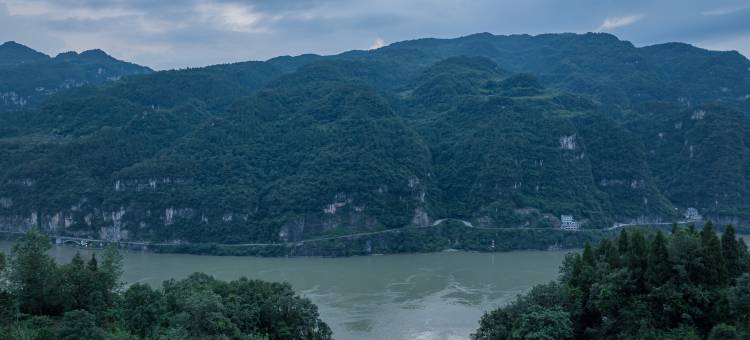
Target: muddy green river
{"x": 415, "y": 296}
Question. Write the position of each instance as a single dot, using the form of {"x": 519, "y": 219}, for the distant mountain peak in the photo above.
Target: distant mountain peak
{"x": 12, "y": 53}
{"x": 480, "y": 35}
{"x": 67, "y": 54}
{"x": 96, "y": 53}
{"x": 10, "y": 43}
{"x": 14, "y": 45}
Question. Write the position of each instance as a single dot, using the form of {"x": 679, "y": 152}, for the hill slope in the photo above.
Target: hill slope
{"x": 501, "y": 131}
{"x": 27, "y": 77}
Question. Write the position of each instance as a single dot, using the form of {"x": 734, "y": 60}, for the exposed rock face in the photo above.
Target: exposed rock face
{"x": 6, "y": 202}
{"x": 299, "y": 148}
{"x": 568, "y": 142}
{"x": 421, "y": 218}
{"x": 698, "y": 115}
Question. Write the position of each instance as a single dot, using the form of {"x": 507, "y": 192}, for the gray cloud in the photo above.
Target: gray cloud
{"x": 173, "y": 34}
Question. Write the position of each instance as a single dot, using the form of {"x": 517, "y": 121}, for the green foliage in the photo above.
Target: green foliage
{"x": 203, "y": 306}
{"x": 723, "y": 332}
{"x": 34, "y": 275}
{"x": 713, "y": 258}
{"x": 539, "y": 323}
{"x": 85, "y": 301}
{"x": 13, "y": 53}
{"x": 142, "y": 310}
{"x": 697, "y": 154}
{"x": 79, "y": 324}
{"x": 739, "y": 300}
{"x": 659, "y": 267}
{"x": 502, "y": 131}
{"x": 30, "y": 77}
{"x": 732, "y": 252}
{"x": 658, "y": 288}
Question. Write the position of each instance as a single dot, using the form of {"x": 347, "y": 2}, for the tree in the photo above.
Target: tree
{"x": 723, "y": 332}
{"x": 683, "y": 332}
{"x": 623, "y": 244}
{"x": 608, "y": 252}
{"x": 540, "y": 323}
{"x": 78, "y": 283}
{"x": 196, "y": 307}
{"x": 34, "y": 277}
{"x": 202, "y": 314}
{"x": 142, "y": 309}
{"x": 731, "y": 252}
{"x": 744, "y": 255}
{"x": 588, "y": 255}
{"x": 659, "y": 268}
{"x": 715, "y": 270}
{"x": 495, "y": 325}
{"x": 637, "y": 261}
{"x": 111, "y": 267}
{"x": 739, "y": 300}
{"x": 6, "y": 299}
{"x": 93, "y": 265}
{"x": 80, "y": 324}
{"x": 677, "y": 300}
{"x": 498, "y": 324}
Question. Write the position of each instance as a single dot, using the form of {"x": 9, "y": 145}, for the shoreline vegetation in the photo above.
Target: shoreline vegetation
{"x": 687, "y": 283}
{"x": 84, "y": 299}
{"x": 645, "y": 284}
{"x": 449, "y": 235}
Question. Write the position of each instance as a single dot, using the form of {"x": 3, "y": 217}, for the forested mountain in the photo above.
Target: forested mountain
{"x": 501, "y": 131}
{"x": 28, "y": 77}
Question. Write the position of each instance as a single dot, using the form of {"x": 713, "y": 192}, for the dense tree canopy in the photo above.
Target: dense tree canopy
{"x": 85, "y": 300}
{"x": 688, "y": 285}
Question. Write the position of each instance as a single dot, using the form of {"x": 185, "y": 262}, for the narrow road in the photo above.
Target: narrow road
{"x": 620, "y": 225}
{"x": 436, "y": 223}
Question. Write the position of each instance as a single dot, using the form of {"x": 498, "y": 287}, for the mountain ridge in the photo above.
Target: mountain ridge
{"x": 502, "y": 131}
{"x": 28, "y": 77}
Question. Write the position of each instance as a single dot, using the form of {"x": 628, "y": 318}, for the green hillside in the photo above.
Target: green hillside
{"x": 499, "y": 131}
{"x": 28, "y": 77}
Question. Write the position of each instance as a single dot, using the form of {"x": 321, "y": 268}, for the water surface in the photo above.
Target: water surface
{"x": 415, "y": 296}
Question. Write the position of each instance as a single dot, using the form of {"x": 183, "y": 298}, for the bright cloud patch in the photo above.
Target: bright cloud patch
{"x": 612, "y": 23}
{"x": 726, "y": 10}
{"x": 378, "y": 43}
{"x": 58, "y": 11}
{"x": 230, "y": 16}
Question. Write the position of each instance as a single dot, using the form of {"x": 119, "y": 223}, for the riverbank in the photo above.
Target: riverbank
{"x": 446, "y": 235}
{"x": 452, "y": 235}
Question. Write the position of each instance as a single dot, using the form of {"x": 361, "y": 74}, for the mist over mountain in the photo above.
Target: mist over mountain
{"x": 501, "y": 131}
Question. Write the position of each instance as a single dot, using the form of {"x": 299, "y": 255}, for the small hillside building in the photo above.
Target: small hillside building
{"x": 691, "y": 214}
{"x": 568, "y": 223}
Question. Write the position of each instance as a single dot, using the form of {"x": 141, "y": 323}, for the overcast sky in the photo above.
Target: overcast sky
{"x": 167, "y": 34}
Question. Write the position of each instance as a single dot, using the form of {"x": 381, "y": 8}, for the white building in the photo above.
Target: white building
{"x": 568, "y": 223}
{"x": 691, "y": 214}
